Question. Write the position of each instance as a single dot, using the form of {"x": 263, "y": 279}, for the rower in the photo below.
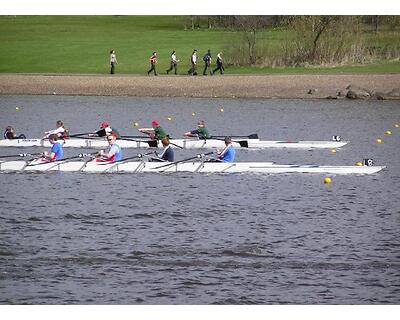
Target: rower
{"x": 228, "y": 153}
{"x": 60, "y": 131}
{"x": 168, "y": 152}
{"x": 112, "y": 154}
{"x": 105, "y": 130}
{"x": 56, "y": 152}
{"x": 9, "y": 133}
{"x": 201, "y": 132}
{"x": 156, "y": 132}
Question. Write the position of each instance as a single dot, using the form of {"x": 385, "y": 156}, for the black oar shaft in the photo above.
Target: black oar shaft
{"x": 20, "y": 155}
{"x": 79, "y": 134}
{"x": 250, "y": 136}
{"x": 135, "y": 137}
{"x": 184, "y": 160}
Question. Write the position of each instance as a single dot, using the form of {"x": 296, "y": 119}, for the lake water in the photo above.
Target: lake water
{"x": 73, "y": 238}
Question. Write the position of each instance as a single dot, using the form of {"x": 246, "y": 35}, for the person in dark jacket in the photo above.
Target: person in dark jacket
{"x": 207, "y": 62}
{"x": 168, "y": 152}
{"x": 9, "y": 133}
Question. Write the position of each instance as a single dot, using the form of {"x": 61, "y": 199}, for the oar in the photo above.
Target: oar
{"x": 151, "y": 143}
{"x": 250, "y": 136}
{"x": 140, "y": 155}
{"x": 154, "y": 145}
{"x": 21, "y": 155}
{"x": 86, "y": 138}
{"x": 184, "y": 160}
{"x": 135, "y": 137}
{"x": 174, "y": 144}
{"x": 79, "y": 134}
{"x": 81, "y": 155}
{"x": 124, "y": 160}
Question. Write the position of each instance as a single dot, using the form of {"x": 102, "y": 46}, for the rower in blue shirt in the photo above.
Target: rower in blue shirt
{"x": 56, "y": 153}
{"x": 228, "y": 153}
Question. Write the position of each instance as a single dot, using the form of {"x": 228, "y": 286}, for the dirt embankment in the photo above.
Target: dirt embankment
{"x": 227, "y": 86}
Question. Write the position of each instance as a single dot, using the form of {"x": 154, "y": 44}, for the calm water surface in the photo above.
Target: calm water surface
{"x": 73, "y": 238}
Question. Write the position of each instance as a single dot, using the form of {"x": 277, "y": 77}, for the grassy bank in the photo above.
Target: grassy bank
{"x": 81, "y": 44}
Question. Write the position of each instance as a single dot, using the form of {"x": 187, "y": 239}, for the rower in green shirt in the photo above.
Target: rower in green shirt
{"x": 201, "y": 132}
{"x": 156, "y": 132}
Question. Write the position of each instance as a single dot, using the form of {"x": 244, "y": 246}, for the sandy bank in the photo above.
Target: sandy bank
{"x": 239, "y": 86}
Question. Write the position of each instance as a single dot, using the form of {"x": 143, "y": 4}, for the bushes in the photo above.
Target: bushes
{"x": 318, "y": 40}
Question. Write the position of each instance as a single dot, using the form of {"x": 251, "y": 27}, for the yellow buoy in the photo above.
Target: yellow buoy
{"x": 193, "y": 114}
{"x": 379, "y": 140}
{"x": 388, "y": 132}
{"x": 359, "y": 164}
{"x": 136, "y": 124}
{"x": 221, "y": 109}
{"x": 397, "y": 125}
{"x": 333, "y": 150}
{"x": 17, "y": 108}
{"x": 327, "y": 180}
{"x": 169, "y": 118}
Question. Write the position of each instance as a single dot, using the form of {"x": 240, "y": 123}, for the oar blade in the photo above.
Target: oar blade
{"x": 152, "y": 143}
{"x": 243, "y": 143}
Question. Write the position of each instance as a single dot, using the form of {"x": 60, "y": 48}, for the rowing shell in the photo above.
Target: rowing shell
{"x": 176, "y": 143}
{"x": 209, "y": 167}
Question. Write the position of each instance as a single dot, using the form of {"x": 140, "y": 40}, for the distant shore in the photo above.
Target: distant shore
{"x": 221, "y": 86}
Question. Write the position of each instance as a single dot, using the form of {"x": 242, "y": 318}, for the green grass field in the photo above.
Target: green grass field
{"x": 81, "y": 44}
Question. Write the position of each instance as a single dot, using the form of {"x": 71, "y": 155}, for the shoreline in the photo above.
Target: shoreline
{"x": 217, "y": 86}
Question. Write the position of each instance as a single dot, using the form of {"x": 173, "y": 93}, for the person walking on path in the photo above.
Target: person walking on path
{"x": 153, "y": 62}
{"x": 193, "y": 60}
{"x": 174, "y": 63}
{"x": 207, "y": 62}
{"x": 220, "y": 66}
{"x": 113, "y": 61}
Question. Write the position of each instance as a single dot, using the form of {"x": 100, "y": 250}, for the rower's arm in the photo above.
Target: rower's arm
{"x": 146, "y": 130}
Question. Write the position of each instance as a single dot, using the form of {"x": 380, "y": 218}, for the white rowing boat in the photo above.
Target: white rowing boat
{"x": 176, "y": 143}
{"x": 192, "y": 166}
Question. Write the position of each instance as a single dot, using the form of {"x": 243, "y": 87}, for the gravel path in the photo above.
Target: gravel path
{"x": 243, "y": 86}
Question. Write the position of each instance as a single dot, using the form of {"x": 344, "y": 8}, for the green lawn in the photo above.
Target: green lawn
{"x": 81, "y": 44}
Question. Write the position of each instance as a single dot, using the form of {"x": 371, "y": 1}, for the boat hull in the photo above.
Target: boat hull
{"x": 176, "y": 143}
{"x": 207, "y": 167}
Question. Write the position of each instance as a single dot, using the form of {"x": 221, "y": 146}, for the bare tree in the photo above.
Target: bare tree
{"x": 250, "y": 26}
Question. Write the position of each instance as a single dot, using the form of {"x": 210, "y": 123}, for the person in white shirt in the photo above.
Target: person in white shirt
{"x": 193, "y": 60}
{"x": 60, "y": 131}
{"x": 113, "y": 61}
{"x": 174, "y": 63}
{"x": 220, "y": 66}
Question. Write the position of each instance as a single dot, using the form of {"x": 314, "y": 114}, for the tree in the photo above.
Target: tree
{"x": 250, "y": 26}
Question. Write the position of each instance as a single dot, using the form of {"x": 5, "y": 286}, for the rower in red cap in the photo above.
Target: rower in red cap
{"x": 156, "y": 132}
{"x": 106, "y": 130}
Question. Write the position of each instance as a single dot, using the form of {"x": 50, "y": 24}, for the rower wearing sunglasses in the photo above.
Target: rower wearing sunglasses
{"x": 112, "y": 154}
